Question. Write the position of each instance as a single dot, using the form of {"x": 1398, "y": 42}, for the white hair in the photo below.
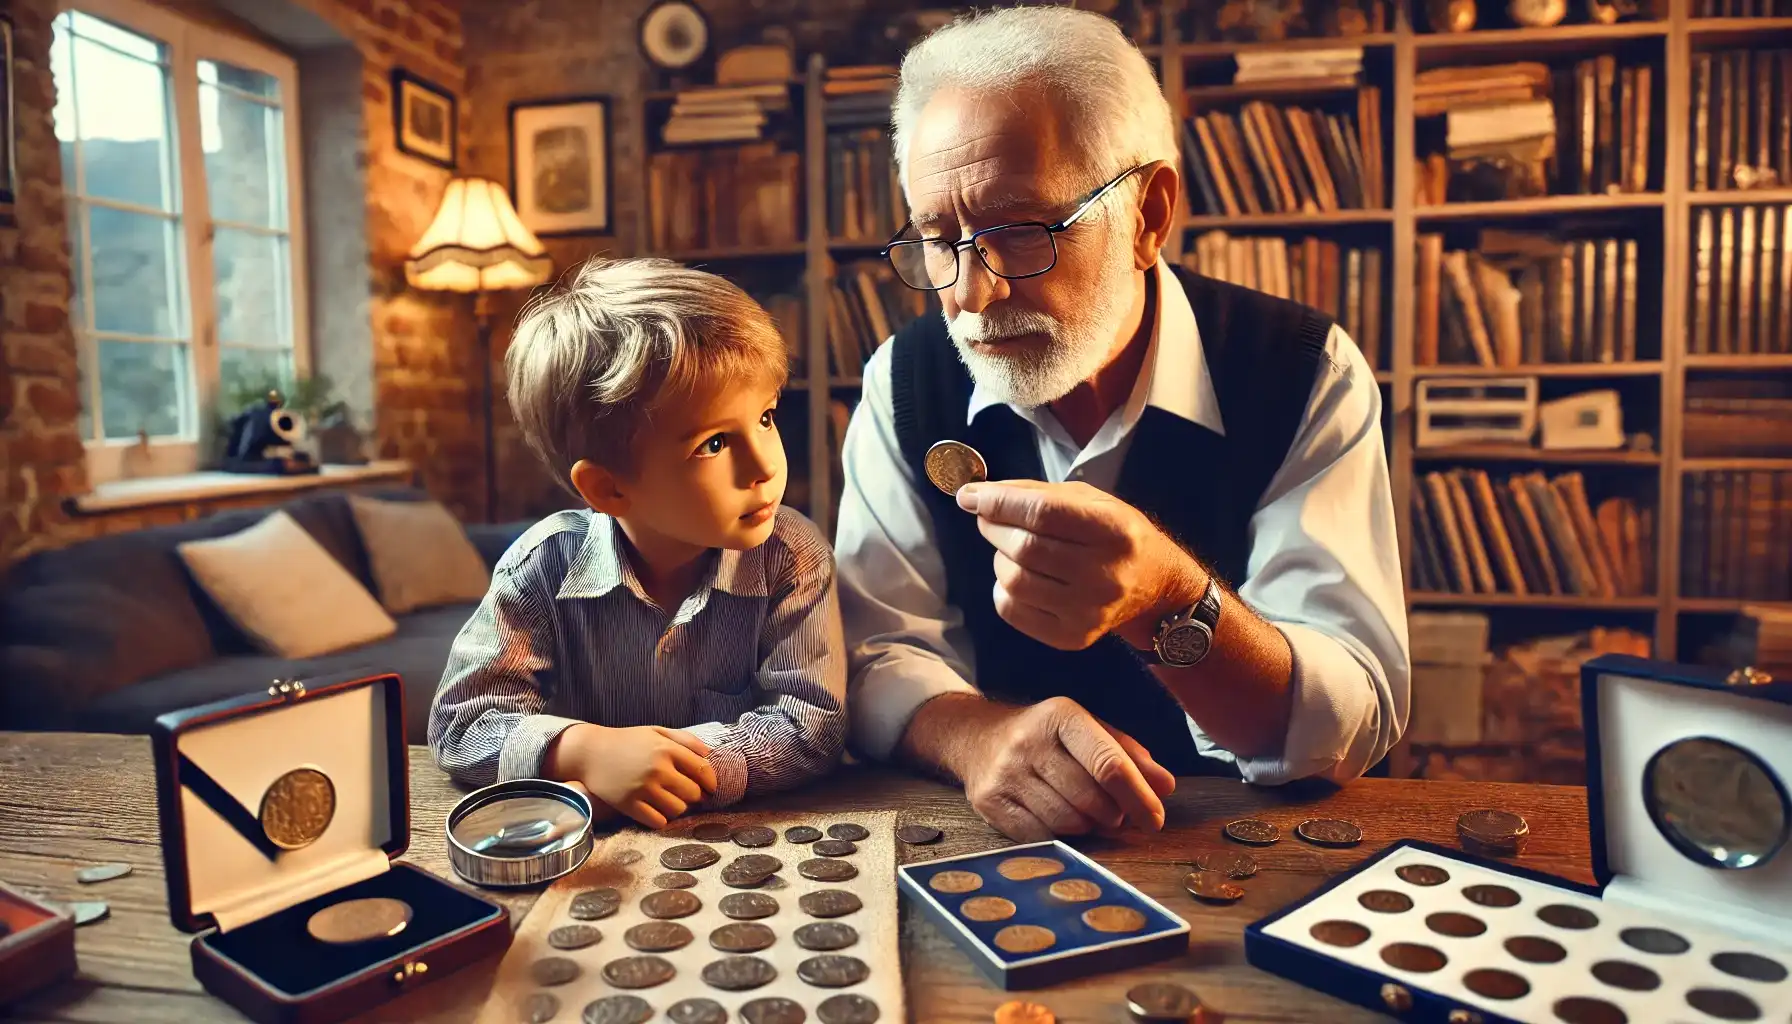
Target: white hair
{"x": 1110, "y": 97}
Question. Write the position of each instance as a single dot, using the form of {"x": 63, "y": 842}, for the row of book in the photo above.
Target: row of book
{"x": 1528, "y": 534}
{"x": 865, "y": 200}
{"x": 724, "y": 197}
{"x": 1343, "y": 281}
{"x": 1286, "y": 159}
{"x": 1741, "y": 8}
{"x": 1736, "y": 535}
{"x": 1742, "y": 417}
{"x": 867, "y": 304}
{"x": 1741, "y": 119}
{"x": 1523, "y": 298}
{"x": 1742, "y": 280}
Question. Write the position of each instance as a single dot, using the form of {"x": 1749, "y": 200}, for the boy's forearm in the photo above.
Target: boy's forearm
{"x": 768, "y": 751}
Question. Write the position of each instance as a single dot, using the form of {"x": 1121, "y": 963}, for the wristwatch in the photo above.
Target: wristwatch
{"x": 1184, "y": 637}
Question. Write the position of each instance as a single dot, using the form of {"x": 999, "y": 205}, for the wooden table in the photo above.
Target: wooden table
{"x": 68, "y": 800}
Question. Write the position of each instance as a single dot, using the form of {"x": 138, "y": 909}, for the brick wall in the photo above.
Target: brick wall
{"x": 423, "y": 371}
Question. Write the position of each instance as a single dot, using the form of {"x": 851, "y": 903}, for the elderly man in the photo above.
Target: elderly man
{"x": 1184, "y": 561}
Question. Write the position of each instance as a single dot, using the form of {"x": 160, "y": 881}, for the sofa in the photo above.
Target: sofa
{"x": 107, "y": 634}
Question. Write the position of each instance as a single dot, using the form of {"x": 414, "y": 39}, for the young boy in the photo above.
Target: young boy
{"x": 677, "y": 642}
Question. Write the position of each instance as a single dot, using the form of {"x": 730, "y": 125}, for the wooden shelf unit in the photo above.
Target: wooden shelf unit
{"x": 1407, "y": 50}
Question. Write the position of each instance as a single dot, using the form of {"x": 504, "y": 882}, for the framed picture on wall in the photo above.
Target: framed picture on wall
{"x": 423, "y": 118}
{"x": 9, "y": 174}
{"x": 560, "y": 164}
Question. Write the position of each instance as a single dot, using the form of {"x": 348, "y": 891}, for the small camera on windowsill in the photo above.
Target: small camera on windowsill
{"x": 268, "y": 438}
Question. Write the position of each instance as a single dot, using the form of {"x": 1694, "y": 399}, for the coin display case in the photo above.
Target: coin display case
{"x": 37, "y": 944}
{"x": 1076, "y": 948}
{"x": 1689, "y": 812}
{"x": 287, "y": 801}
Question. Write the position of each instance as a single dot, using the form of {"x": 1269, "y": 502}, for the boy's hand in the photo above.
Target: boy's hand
{"x": 650, "y": 773}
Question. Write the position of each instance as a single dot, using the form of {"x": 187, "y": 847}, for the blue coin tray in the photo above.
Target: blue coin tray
{"x": 1079, "y": 950}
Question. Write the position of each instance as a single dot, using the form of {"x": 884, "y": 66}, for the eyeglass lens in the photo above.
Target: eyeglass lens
{"x": 1018, "y": 250}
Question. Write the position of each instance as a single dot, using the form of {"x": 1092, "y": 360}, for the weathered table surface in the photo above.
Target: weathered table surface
{"x": 68, "y": 800}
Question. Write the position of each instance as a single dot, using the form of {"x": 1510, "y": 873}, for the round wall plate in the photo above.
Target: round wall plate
{"x": 674, "y": 33}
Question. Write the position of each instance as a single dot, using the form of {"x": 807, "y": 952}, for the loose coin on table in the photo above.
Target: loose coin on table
{"x": 1025, "y": 938}
{"x": 833, "y": 970}
{"x": 697, "y": 1011}
{"x": 1023, "y": 869}
{"x": 1231, "y": 863}
{"x": 657, "y": 936}
{"x": 742, "y": 937}
{"x": 1113, "y": 919}
{"x": 101, "y": 873}
{"x": 738, "y": 973}
{"x": 825, "y": 936}
{"x": 829, "y": 903}
{"x": 595, "y": 904}
{"x": 1329, "y": 832}
{"x": 1492, "y": 831}
{"x": 835, "y": 848}
{"x": 801, "y": 834}
{"x": 987, "y": 908}
{"x": 754, "y": 836}
{"x": 712, "y": 832}
{"x": 1253, "y": 831}
{"x": 639, "y": 972}
{"x": 852, "y": 832}
{"x": 553, "y": 970}
{"x": 364, "y": 920}
{"x": 827, "y": 869}
{"x": 623, "y": 1009}
{"x": 574, "y": 936}
{"x": 89, "y": 911}
{"x": 538, "y": 1008}
{"x": 918, "y": 835}
{"x": 847, "y": 1008}
{"x": 1074, "y": 890}
{"x": 1161, "y": 1001}
{"x": 1018, "y": 1012}
{"x": 954, "y": 883}
{"x": 772, "y": 1010}
{"x": 689, "y": 857}
{"x": 674, "y": 880}
{"x": 1212, "y": 886}
{"x": 952, "y": 464}
{"x": 747, "y": 906}
{"x": 670, "y": 903}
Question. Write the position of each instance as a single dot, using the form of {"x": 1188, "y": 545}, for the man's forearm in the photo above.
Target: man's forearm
{"x": 1239, "y": 693}
{"x": 944, "y": 734}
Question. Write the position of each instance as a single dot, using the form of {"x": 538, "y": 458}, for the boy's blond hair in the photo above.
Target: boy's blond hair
{"x": 591, "y": 360}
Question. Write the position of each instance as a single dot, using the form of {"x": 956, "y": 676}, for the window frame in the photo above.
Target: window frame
{"x": 188, "y": 42}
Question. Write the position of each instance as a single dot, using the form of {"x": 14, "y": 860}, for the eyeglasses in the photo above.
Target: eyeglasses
{"x": 1013, "y": 251}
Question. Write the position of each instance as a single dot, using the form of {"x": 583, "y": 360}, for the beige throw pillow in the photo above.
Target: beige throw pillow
{"x": 419, "y": 553}
{"x": 280, "y": 586}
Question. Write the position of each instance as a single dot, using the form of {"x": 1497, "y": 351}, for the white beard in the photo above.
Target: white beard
{"x": 1032, "y": 376}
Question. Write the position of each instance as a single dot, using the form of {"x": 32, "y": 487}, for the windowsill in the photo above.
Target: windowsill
{"x": 181, "y": 488}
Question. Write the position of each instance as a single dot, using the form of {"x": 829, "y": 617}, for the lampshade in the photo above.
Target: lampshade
{"x": 476, "y": 243}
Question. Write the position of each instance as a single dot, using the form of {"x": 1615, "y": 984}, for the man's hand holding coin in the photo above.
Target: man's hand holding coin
{"x": 1074, "y": 563}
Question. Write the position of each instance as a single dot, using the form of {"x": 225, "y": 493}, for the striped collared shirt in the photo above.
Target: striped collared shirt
{"x": 752, "y": 663}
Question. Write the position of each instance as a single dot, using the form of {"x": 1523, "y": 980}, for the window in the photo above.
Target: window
{"x": 180, "y": 162}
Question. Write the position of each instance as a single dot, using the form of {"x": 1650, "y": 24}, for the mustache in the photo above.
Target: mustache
{"x": 1000, "y": 323}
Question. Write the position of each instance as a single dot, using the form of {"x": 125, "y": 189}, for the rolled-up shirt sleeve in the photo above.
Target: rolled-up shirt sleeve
{"x": 486, "y": 723}
{"x": 906, "y": 645}
{"x": 1325, "y": 569}
{"x": 798, "y": 734}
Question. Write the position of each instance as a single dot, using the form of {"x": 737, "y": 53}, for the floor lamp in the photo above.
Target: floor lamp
{"x": 478, "y": 244}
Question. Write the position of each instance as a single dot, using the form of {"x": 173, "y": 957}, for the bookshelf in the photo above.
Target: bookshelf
{"x": 1661, "y": 216}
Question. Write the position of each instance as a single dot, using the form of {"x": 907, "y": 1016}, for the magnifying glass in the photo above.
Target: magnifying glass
{"x": 519, "y": 833}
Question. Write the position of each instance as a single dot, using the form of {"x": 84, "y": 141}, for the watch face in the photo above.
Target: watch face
{"x": 1185, "y": 644}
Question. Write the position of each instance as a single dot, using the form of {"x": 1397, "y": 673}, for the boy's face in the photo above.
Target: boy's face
{"x": 709, "y": 468}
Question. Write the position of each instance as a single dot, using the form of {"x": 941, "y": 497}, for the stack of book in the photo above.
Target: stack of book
{"x": 726, "y": 113}
{"x": 1307, "y": 69}
{"x": 1739, "y": 140}
{"x": 1344, "y": 282}
{"x": 867, "y": 305}
{"x": 1528, "y": 535}
{"x": 1742, "y": 280}
{"x": 1275, "y": 159}
{"x": 1738, "y": 417}
{"x": 1523, "y": 298}
{"x": 724, "y": 197}
{"x": 1736, "y": 538}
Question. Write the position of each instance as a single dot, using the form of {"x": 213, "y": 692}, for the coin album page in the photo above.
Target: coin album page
{"x": 629, "y": 860}
{"x": 1527, "y": 951}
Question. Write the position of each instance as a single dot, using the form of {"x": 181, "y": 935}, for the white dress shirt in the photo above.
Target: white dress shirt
{"x": 1324, "y": 563}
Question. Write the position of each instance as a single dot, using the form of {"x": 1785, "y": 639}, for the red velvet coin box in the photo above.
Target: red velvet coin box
{"x": 1689, "y": 797}
{"x": 1077, "y": 950}
{"x": 248, "y": 863}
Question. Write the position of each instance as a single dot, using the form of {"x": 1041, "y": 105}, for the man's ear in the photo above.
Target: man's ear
{"x": 599, "y": 487}
{"x": 1157, "y": 213}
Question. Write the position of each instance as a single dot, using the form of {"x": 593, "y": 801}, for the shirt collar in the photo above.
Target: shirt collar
{"x": 602, "y": 565}
{"x": 1175, "y": 344}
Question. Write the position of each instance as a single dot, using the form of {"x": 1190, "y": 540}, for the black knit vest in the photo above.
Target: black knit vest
{"x": 1263, "y": 354}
